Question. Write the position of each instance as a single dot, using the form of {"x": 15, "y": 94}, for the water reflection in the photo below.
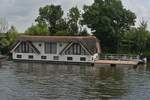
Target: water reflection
{"x": 35, "y": 81}
{"x": 79, "y": 82}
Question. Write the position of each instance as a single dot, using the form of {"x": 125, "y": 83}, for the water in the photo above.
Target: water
{"x": 28, "y": 81}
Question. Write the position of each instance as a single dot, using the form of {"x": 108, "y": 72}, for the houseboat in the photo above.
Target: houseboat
{"x": 67, "y": 49}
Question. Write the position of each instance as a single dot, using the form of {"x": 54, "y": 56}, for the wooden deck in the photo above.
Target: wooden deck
{"x": 116, "y": 62}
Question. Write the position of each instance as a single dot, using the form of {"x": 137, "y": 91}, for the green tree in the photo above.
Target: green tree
{"x": 147, "y": 53}
{"x": 141, "y": 38}
{"x": 128, "y": 41}
{"x": 73, "y": 23}
{"x": 9, "y": 39}
{"x": 62, "y": 27}
{"x": 50, "y": 15}
{"x": 108, "y": 20}
{"x": 83, "y": 32}
{"x": 136, "y": 40}
{"x": 38, "y": 29}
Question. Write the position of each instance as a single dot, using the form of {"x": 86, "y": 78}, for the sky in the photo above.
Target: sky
{"x": 22, "y": 13}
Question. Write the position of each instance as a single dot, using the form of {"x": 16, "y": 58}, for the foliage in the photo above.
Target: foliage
{"x": 50, "y": 15}
{"x": 108, "y": 20}
{"x": 73, "y": 16}
{"x": 148, "y": 43}
{"x": 62, "y": 27}
{"x": 9, "y": 39}
{"x": 50, "y": 20}
{"x": 38, "y": 29}
{"x": 140, "y": 38}
{"x": 83, "y": 32}
{"x": 136, "y": 40}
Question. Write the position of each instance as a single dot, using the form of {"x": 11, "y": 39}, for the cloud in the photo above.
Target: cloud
{"x": 140, "y": 8}
{"x": 22, "y": 13}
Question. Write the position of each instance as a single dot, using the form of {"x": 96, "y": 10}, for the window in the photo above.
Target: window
{"x": 82, "y": 59}
{"x": 69, "y": 58}
{"x": 30, "y": 56}
{"x": 56, "y": 57}
{"x": 76, "y": 49}
{"x": 43, "y": 57}
{"x": 19, "y": 56}
{"x": 50, "y": 48}
{"x": 24, "y": 47}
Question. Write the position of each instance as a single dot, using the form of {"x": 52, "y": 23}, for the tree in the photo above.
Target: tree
{"x": 9, "y": 39}
{"x": 128, "y": 41}
{"x": 108, "y": 20}
{"x": 137, "y": 39}
{"x": 148, "y": 43}
{"x": 3, "y": 25}
{"x": 50, "y": 15}
{"x": 62, "y": 27}
{"x": 38, "y": 29}
{"x": 73, "y": 16}
{"x": 83, "y": 32}
{"x": 141, "y": 37}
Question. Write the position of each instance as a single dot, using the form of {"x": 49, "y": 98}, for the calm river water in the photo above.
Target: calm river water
{"x": 30, "y": 81}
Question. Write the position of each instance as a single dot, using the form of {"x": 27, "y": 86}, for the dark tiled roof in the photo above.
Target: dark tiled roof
{"x": 54, "y": 38}
{"x": 90, "y": 42}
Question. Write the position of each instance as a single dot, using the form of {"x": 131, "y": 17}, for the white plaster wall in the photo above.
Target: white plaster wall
{"x": 60, "y": 48}
{"x": 40, "y": 48}
{"x": 76, "y": 58}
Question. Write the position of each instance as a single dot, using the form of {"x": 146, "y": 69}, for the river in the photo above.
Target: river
{"x": 35, "y": 81}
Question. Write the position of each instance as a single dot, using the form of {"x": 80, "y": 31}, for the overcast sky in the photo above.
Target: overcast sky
{"x": 22, "y": 13}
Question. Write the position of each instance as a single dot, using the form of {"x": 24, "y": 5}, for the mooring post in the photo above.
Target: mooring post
{"x": 135, "y": 66}
{"x": 92, "y": 64}
{"x": 113, "y": 65}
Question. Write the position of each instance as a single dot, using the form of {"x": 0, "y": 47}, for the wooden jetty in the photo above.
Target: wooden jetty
{"x": 116, "y": 62}
{"x": 117, "y": 59}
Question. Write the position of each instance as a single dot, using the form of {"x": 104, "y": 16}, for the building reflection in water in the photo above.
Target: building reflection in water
{"x": 73, "y": 82}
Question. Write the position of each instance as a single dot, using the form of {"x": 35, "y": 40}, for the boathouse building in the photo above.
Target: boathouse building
{"x": 56, "y": 48}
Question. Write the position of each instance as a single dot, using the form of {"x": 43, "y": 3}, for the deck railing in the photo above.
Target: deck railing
{"x": 122, "y": 57}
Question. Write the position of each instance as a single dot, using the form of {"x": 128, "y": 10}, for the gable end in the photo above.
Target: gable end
{"x": 25, "y": 47}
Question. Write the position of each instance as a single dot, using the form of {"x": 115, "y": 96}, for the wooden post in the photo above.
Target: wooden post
{"x": 92, "y": 64}
{"x": 135, "y": 66}
{"x": 113, "y": 65}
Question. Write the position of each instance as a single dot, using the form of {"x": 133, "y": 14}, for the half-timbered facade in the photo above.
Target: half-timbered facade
{"x": 56, "y": 48}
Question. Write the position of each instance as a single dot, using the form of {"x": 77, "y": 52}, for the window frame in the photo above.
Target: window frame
{"x": 82, "y": 58}
{"x": 30, "y": 57}
{"x": 55, "y": 57}
{"x": 50, "y": 47}
{"x": 68, "y": 59}
{"x": 76, "y": 49}
{"x": 43, "y": 57}
{"x": 20, "y": 56}
{"x": 24, "y": 47}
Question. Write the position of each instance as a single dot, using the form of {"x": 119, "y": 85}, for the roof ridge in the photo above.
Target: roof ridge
{"x": 56, "y": 36}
